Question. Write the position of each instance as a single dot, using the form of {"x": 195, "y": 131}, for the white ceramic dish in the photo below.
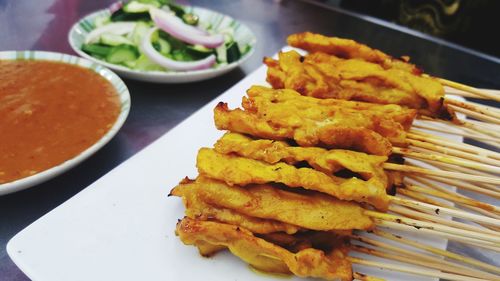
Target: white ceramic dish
{"x": 102, "y": 71}
{"x": 122, "y": 226}
{"x": 242, "y": 34}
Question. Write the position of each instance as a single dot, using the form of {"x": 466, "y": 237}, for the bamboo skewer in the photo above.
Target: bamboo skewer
{"x": 475, "y": 107}
{"x": 457, "y": 92}
{"x": 453, "y": 197}
{"x": 487, "y": 94}
{"x": 473, "y": 114}
{"x": 438, "y": 262}
{"x": 424, "y": 231}
{"x": 446, "y": 159}
{"x": 453, "y": 152}
{"x": 421, "y": 136}
{"x": 436, "y": 219}
{"x": 445, "y": 211}
{"x": 483, "y": 237}
{"x": 437, "y": 251}
{"x": 439, "y": 173}
{"x": 464, "y": 133}
{"x": 438, "y": 265}
{"x": 413, "y": 270}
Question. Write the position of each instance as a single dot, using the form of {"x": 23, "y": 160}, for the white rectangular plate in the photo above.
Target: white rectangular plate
{"x": 122, "y": 226}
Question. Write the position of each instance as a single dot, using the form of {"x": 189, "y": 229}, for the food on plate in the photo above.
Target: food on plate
{"x": 344, "y": 69}
{"x": 281, "y": 115}
{"x": 49, "y": 113}
{"x": 156, "y": 35}
{"x": 327, "y": 262}
{"x": 317, "y": 211}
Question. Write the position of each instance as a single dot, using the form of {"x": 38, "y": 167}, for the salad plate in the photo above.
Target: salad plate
{"x": 122, "y": 227}
{"x": 118, "y": 42}
{"x": 123, "y": 96}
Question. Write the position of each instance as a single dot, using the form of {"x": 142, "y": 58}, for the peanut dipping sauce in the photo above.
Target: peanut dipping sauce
{"x": 49, "y": 113}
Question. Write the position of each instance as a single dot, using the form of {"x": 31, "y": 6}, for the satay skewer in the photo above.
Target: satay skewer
{"x": 492, "y": 95}
{"x": 436, "y": 251}
{"x": 412, "y": 270}
{"x": 452, "y": 152}
{"x": 463, "y": 133}
{"x": 457, "y": 92}
{"x": 475, "y": 115}
{"x": 446, "y": 159}
{"x": 476, "y": 108}
{"x": 444, "y": 210}
{"x": 436, "y": 262}
{"x": 439, "y": 173}
{"x": 421, "y": 136}
{"x": 407, "y": 212}
{"x": 364, "y": 277}
{"x": 424, "y": 231}
{"x": 483, "y": 237}
{"x": 454, "y": 198}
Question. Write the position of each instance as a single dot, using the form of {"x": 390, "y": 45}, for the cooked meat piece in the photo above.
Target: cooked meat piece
{"x": 327, "y": 76}
{"x": 197, "y": 208}
{"x": 266, "y": 101}
{"x": 326, "y": 161}
{"x": 264, "y": 255}
{"x": 311, "y": 210}
{"x": 335, "y": 132}
{"x": 348, "y": 49}
{"x": 242, "y": 171}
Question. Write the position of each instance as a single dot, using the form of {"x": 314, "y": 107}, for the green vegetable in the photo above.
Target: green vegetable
{"x": 143, "y": 63}
{"x": 114, "y": 39}
{"x": 233, "y": 52}
{"x": 121, "y": 15}
{"x": 178, "y": 10}
{"x": 191, "y": 19}
{"x": 138, "y": 7}
{"x": 96, "y": 50}
{"x": 140, "y": 29}
{"x": 122, "y": 53}
{"x": 199, "y": 52}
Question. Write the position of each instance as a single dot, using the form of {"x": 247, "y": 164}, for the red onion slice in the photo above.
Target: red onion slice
{"x": 186, "y": 33}
{"x": 118, "y": 28}
{"x": 148, "y": 49}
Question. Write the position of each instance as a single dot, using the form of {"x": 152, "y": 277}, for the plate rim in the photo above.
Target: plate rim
{"x": 162, "y": 76}
{"x": 125, "y": 104}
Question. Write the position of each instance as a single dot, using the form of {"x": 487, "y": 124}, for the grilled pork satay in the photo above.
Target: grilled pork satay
{"x": 345, "y": 69}
{"x": 264, "y": 255}
{"x": 326, "y": 161}
{"x": 305, "y": 132}
{"x": 242, "y": 171}
{"x": 261, "y": 98}
{"x": 316, "y": 212}
{"x": 198, "y": 208}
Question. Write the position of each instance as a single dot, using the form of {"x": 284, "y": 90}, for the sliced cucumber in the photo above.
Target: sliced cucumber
{"x": 138, "y": 7}
{"x": 122, "y": 53}
{"x": 164, "y": 46}
{"x": 221, "y": 53}
{"x": 143, "y": 63}
{"x": 140, "y": 29}
{"x": 96, "y": 50}
{"x": 233, "y": 52}
{"x": 198, "y": 51}
{"x": 121, "y": 15}
{"x": 114, "y": 40}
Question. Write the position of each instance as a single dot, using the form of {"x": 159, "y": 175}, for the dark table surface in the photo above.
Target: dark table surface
{"x": 156, "y": 108}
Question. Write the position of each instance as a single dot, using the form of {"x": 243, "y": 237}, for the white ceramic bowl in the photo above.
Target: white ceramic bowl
{"x": 242, "y": 34}
{"x": 117, "y": 83}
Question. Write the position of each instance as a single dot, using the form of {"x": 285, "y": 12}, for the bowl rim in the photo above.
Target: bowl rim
{"x": 156, "y": 73}
{"x": 125, "y": 103}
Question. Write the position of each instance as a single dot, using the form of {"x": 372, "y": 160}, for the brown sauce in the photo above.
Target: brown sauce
{"x": 49, "y": 113}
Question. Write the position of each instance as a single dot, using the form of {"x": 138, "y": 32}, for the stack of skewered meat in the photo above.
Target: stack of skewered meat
{"x": 308, "y": 166}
